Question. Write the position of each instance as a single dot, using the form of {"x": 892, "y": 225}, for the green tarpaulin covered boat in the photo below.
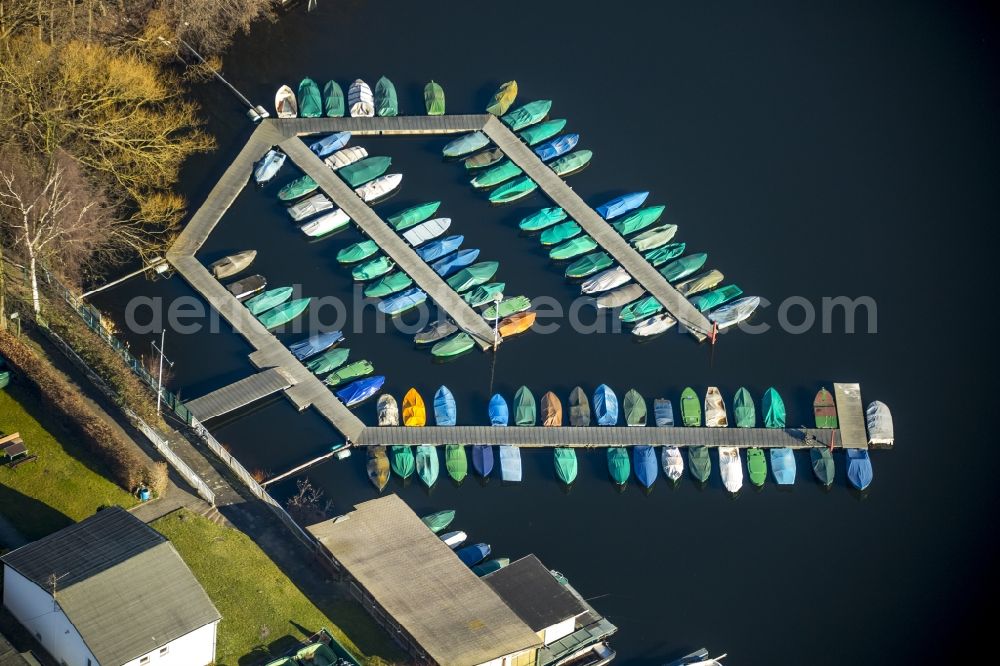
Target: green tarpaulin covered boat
{"x": 542, "y": 219}
{"x": 716, "y": 297}
{"x": 699, "y": 463}
{"x": 507, "y": 307}
{"x": 350, "y": 371}
{"x": 328, "y": 361}
{"x": 269, "y": 299}
{"x": 333, "y": 100}
{"x": 573, "y": 248}
{"x": 559, "y": 233}
{"x": 496, "y": 175}
{"x": 465, "y": 144}
{"x": 662, "y": 255}
{"x": 284, "y": 313}
{"x": 756, "y": 466}
{"x": 413, "y": 215}
{"x": 690, "y": 408}
{"x": 822, "y": 464}
{"x": 502, "y": 99}
{"x": 434, "y": 99}
{"x": 438, "y": 521}
{"x": 357, "y": 252}
{"x": 774, "y": 409}
{"x": 635, "y": 408}
{"x": 529, "y": 114}
{"x": 640, "y": 309}
{"x": 473, "y": 276}
{"x": 681, "y": 268}
{"x": 513, "y": 190}
{"x": 566, "y": 464}
{"x": 389, "y": 284}
{"x": 538, "y": 133}
{"x": 524, "y": 407}
{"x": 484, "y": 293}
{"x": 456, "y": 462}
{"x": 639, "y": 220}
{"x": 618, "y": 464}
{"x": 373, "y": 268}
{"x": 589, "y": 264}
{"x": 743, "y": 409}
{"x": 457, "y": 344}
{"x": 310, "y": 103}
{"x": 654, "y": 238}
{"x": 362, "y": 171}
{"x": 487, "y": 158}
{"x": 401, "y": 461}
{"x": 297, "y": 188}
{"x": 570, "y": 164}
{"x": 386, "y": 103}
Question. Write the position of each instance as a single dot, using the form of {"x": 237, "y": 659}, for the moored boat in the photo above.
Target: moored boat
{"x": 412, "y": 216}
{"x": 734, "y": 312}
{"x": 639, "y": 220}
{"x": 605, "y": 406}
{"x": 569, "y": 164}
{"x": 502, "y": 98}
{"x": 489, "y": 566}
{"x": 403, "y": 301}
{"x": 565, "y": 464}
{"x": 524, "y": 407}
{"x": 715, "y": 409}
{"x": 440, "y": 247}
{"x": 357, "y": 252}
{"x": 673, "y": 463}
{"x": 640, "y": 309}
{"x": 326, "y": 224}
{"x": 510, "y": 463}
{"x": 746, "y": 417}
{"x": 310, "y": 103}
{"x": 330, "y": 144}
{"x": 527, "y": 114}
{"x": 624, "y": 295}
{"x": 473, "y": 276}
{"x": 699, "y": 463}
{"x": 283, "y": 313}
{"x": 605, "y": 280}
{"x": 345, "y": 157}
{"x": 427, "y": 231}
{"x": 268, "y": 166}
{"x": 487, "y": 158}
{"x": 556, "y": 147}
{"x": 434, "y": 101}
{"x": 618, "y": 465}
{"x": 233, "y": 264}
{"x": 517, "y": 323}
{"x": 454, "y": 539}
{"x": 483, "y": 294}
{"x": 457, "y": 344}
{"x": 317, "y": 203}
{"x": 386, "y": 102}
{"x": 285, "y": 104}
{"x": 372, "y": 268}
{"x": 573, "y": 248}
{"x": 716, "y": 297}
{"x": 498, "y": 411}
{"x": 644, "y": 459}
{"x": 379, "y": 188}
{"x": 690, "y": 409}
{"x": 388, "y": 411}
{"x": 822, "y": 465}
{"x": 654, "y": 238}
{"x": 328, "y": 361}
{"x": 414, "y": 410}
{"x": 783, "y": 466}
{"x": 699, "y": 283}
{"x": 635, "y": 408}
{"x": 513, "y": 190}
{"x": 434, "y": 332}
{"x": 579, "y": 408}
{"x": 401, "y": 461}
{"x": 474, "y": 554}
{"x": 681, "y": 268}
{"x": 588, "y": 264}
{"x": 465, "y": 144}
{"x": 551, "y": 410}
{"x": 756, "y": 466}
{"x": 507, "y": 307}
{"x": 825, "y": 410}
{"x": 542, "y": 219}
{"x": 388, "y": 284}
{"x": 482, "y": 459}
{"x": 348, "y": 372}
{"x": 297, "y": 188}
{"x": 559, "y": 233}
{"x": 365, "y": 170}
{"x": 315, "y": 344}
{"x": 455, "y": 261}
{"x": 360, "y": 390}
{"x": 621, "y": 205}
{"x": 537, "y": 133}
{"x": 269, "y": 299}
{"x": 878, "y": 420}
{"x": 655, "y": 325}
{"x": 436, "y": 522}
{"x": 246, "y": 287}
{"x": 455, "y": 462}
{"x": 859, "y": 468}
{"x": 664, "y": 253}
{"x": 360, "y": 101}
{"x": 333, "y": 99}
{"x": 663, "y": 413}
{"x": 427, "y": 464}
{"x": 731, "y": 468}
{"x": 445, "y": 410}
{"x": 377, "y": 466}
{"x": 496, "y": 175}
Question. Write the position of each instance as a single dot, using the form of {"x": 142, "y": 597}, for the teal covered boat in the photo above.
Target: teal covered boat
{"x": 333, "y": 100}
{"x": 640, "y": 309}
{"x": 529, "y": 114}
{"x": 373, "y": 268}
{"x": 434, "y": 99}
{"x": 473, "y": 276}
{"x": 513, "y": 190}
{"x": 269, "y": 299}
{"x": 436, "y": 522}
{"x": 386, "y": 103}
{"x": 744, "y": 410}
{"x": 573, "y": 248}
{"x": 507, "y": 307}
{"x": 401, "y": 461}
{"x": 699, "y": 462}
{"x": 362, "y": 171}
{"x": 662, "y": 255}
{"x": 537, "y": 133}
{"x": 357, "y": 251}
{"x": 298, "y": 188}
{"x": 310, "y": 102}
{"x": 457, "y": 344}
{"x": 328, "y": 361}
{"x": 465, "y": 144}
{"x": 716, "y": 297}
{"x": 774, "y": 409}
{"x": 495, "y": 175}
{"x": 639, "y": 220}
{"x": 589, "y": 264}
{"x": 388, "y": 284}
{"x": 618, "y": 465}
{"x": 566, "y": 464}
{"x": 428, "y": 465}
{"x": 484, "y": 293}
{"x": 570, "y": 164}
{"x": 559, "y": 233}
{"x": 283, "y": 314}
{"x": 525, "y": 409}
{"x": 413, "y": 215}
{"x": 681, "y": 268}
{"x": 542, "y": 219}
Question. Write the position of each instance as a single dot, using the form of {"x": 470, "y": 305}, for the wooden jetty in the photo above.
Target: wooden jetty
{"x": 239, "y": 394}
{"x": 610, "y": 240}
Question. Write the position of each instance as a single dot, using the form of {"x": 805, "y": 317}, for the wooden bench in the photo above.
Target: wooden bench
{"x": 12, "y": 448}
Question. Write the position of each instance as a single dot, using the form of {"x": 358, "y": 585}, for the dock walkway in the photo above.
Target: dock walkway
{"x": 238, "y": 394}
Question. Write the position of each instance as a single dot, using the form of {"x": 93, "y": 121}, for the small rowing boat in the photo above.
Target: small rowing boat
{"x": 403, "y": 301}
{"x": 483, "y": 294}
{"x": 357, "y": 252}
{"x": 514, "y": 324}
{"x": 654, "y": 238}
{"x": 348, "y": 372}
{"x": 434, "y": 332}
{"x": 412, "y": 216}
{"x": 487, "y": 158}
{"x": 386, "y": 103}
{"x": 605, "y": 406}
{"x": 283, "y": 313}
{"x": 427, "y": 464}
{"x": 605, "y": 280}
{"x": 644, "y": 459}
{"x": 513, "y": 190}
{"x": 618, "y": 465}
{"x": 297, "y": 188}
{"x": 502, "y": 99}
{"x": 699, "y": 283}
{"x": 372, "y": 268}
{"x": 524, "y": 407}
{"x": 317, "y": 203}
{"x": 639, "y": 220}
{"x": 579, "y": 408}
{"x": 434, "y": 99}
{"x": 269, "y": 299}
{"x": 655, "y": 325}
{"x": 379, "y": 188}
{"x": 559, "y": 233}
{"x": 360, "y": 390}
{"x": 482, "y": 459}
{"x": 455, "y": 261}
{"x": 246, "y": 287}
{"x": 333, "y": 99}
{"x": 662, "y": 255}
{"x": 285, "y": 104}
{"x": 457, "y": 344}
{"x": 681, "y": 268}
{"x": 620, "y": 296}
{"x": 473, "y": 276}
{"x": 542, "y": 219}
{"x": 465, "y": 144}
{"x": 310, "y": 103}
{"x": 496, "y": 175}
{"x": 328, "y": 361}
{"x": 360, "y": 100}
{"x": 573, "y": 248}
{"x": 268, "y": 166}
{"x": 782, "y": 459}
{"x": 414, "y": 410}
{"x": 526, "y": 115}
{"x": 551, "y": 410}
{"x": 621, "y": 205}
{"x": 566, "y": 464}
{"x": 537, "y": 133}
{"x": 426, "y": 231}
{"x": 440, "y": 248}
{"x": 510, "y": 463}
{"x": 445, "y": 410}
{"x": 635, "y": 408}
{"x": 378, "y": 467}
{"x": 507, "y": 307}
{"x": 365, "y": 170}
{"x": 233, "y": 264}
{"x": 560, "y": 145}
{"x": 859, "y": 468}
{"x": 326, "y": 224}
{"x": 734, "y": 312}
{"x": 330, "y": 144}
{"x": 401, "y": 461}
{"x": 436, "y": 522}
{"x": 569, "y": 164}
{"x": 455, "y": 462}
{"x": 388, "y": 284}
{"x": 588, "y": 264}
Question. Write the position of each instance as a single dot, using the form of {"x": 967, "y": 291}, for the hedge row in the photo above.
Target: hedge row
{"x": 125, "y": 466}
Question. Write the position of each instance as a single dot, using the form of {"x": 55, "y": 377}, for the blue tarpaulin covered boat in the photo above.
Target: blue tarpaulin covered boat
{"x": 644, "y": 461}
{"x": 482, "y": 459}
{"x": 557, "y": 146}
{"x": 439, "y": 248}
{"x": 455, "y": 262}
{"x": 315, "y": 344}
{"x": 859, "y": 468}
{"x": 510, "y": 463}
{"x": 499, "y": 414}
{"x": 621, "y": 205}
{"x": 268, "y": 166}
{"x": 360, "y": 390}
{"x": 403, "y": 301}
{"x": 473, "y": 554}
{"x": 445, "y": 412}
{"x": 663, "y": 412}
{"x": 783, "y": 466}
{"x": 605, "y": 406}
{"x": 330, "y": 144}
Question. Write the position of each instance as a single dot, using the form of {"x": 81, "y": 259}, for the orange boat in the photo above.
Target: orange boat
{"x": 551, "y": 410}
{"x": 515, "y": 324}
{"x": 414, "y": 411}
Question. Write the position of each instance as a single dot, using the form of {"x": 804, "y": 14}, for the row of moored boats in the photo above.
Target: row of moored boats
{"x": 359, "y": 102}
{"x": 472, "y": 555}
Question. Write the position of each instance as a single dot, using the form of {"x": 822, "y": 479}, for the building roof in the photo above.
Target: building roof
{"x": 121, "y": 584}
{"x": 534, "y": 594}
{"x": 449, "y": 611}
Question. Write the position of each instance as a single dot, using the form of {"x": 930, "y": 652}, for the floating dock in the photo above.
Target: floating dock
{"x": 239, "y": 394}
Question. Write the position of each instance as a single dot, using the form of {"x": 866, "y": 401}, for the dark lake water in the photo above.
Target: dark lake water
{"x": 813, "y": 151}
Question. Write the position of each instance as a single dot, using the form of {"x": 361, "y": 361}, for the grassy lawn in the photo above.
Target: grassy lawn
{"x": 260, "y": 606}
{"x": 63, "y": 485}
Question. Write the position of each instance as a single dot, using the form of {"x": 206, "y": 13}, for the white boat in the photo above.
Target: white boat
{"x": 427, "y": 230}
{"x": 345, "y": 156}
{"x": 659, "y": 323}
{"x": 699, "y": 283}
{"x": 380, "y": 187}
{"x": 673, "y": 463}
{"x": 317, "y": 203}
{"x": 360, "y": 100}
{"x": 285, "y": 104}
{"x": 454, "y": 539}
{"x": 715, "y": 409}
{"x": 733, "y": 313}
{"x": 388, "y": 411}
{"x": 731, "y": 468}
{"x": 620, "y": 296}
{"x": 326, "y": 224}
{"x": 605, "y": 280}
{"x": 510, "y": 463}
{"x": 879, "y": 421}
{"x": 268, "y": 166}
{"x": 655, "y": 237}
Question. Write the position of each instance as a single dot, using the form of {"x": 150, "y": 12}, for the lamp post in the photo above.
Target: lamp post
{"x": 159, "y": 374}
{"x": 497, "y": 298}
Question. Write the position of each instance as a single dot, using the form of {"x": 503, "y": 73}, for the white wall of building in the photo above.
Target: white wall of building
{"x": 557, "y": 631}
{"x": 194, "y": 649}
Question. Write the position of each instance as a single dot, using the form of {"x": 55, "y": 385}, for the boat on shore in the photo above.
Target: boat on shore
{"x": 372, "y": 268}
{"x": 457, "y": 344}
{"x": 386, "y": 102}
{"x": 412, "y": 216}
{"x": 455, "y": 462}
{"x": 556, "y": 147}
{"x": 434, "y": 101}
{"x": 436, "y": 522}
{"x": 402, "y": 302}
{"x": 485, "y": 159}
{"x": 579, "y": 408}
{"x": 465, "y": 144}
{"x": 428, "y": 465}
{"x": 502, "y": 99}
{"x": 360, "y": 390}
{"x": 655, "y": 325}
{"x": 360, "y": 100}
{"x": 426, "y": 231}
{"x": 268, "y": 166}
{"x": 681, "y": 268}
{"x": 482, "y": 459}
{"x": 328, "y": 361}
{"x": 513, "y": 190}
{"x": 588, "y": 264}
{"x": 377, "y": 466}
{"x": 542, "y": 219}
{"x": 330, "y": 144}
{"x": 414, "y": 410}
{"x": 654, "y": 238}
{"x": 573, "y": 248}
{"x": 379, "y": 188}
{"x": 246, "y": 287}
{"x": 317, "y": 203}
{"x": 644, "y": 459}
{"x": 537, "y": 133}
{"x": 348, "y": 372}
{"x": 315, "y": 344}
{"x": 474, "y": 554}
{"x": 605, "y": 406}
{"x": 699, "y": 283}
{"x": 621, "y": 205}
{"x": 526, "y": 115}
{"x": 496, "y": 175}
{"x": 440, "y": 247}
{"x": 621, "y": 296}
{"x": 455, "y": 261}
{"x": 445, "y": 410}
{"x": 388, "y": 284}
{"x": 356, "y": 252}
{"x": 525, "y": 411}
{"x": 605, "y": 280}
{"x": 434, "y": 332}
{"x": 233, "y": 264}
{"x": 283, "y": 313}
{"x": 516, "y": 323}
{"x": 285, "y": 104}
{"x": 664, "y": 253}
{"x": 569, "y": 164}
{"x": 859, "y": 468}
{"x": 310, "y": 102}
{"x": 483, "y": 294}
{"x": 734, "y": 312}
{"x": 559, "y": 233}
{"x": 269, "y": 299}
{"x": 326, "y": 224}
{"x": 507, "y": 307}
{"x": 618, "y": 465}
{"x": 333, "y": 99}
{"x": 473, "y": 276}
{"x": 639, "y": 220}
{"x": 365, "y": 170}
